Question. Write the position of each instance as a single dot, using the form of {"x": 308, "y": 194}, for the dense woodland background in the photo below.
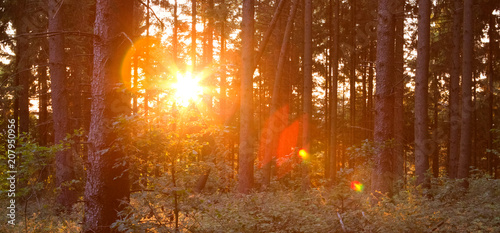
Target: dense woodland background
{"x": 314, "y": 116}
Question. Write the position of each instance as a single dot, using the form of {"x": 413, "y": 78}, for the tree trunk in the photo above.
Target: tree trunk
{"x": 22, "y": 66}
{"x": 399, "y": 93}
{"x": 276, "y": 123}
{"x": 307, "y": 103}
{"x": 454, "y": 149}
{"x": 334, "y": 52}
{"x": 384, "y": 100}
{"x": 421, "y": 92}
{"x": 60, "y": 106}
{"x": 491, "y": 74}
{"x": 246, "y": 160}
{"x": 107, "y": 184}
{"x": 352, "y": 82}
{"x": 193, "y": 35}
{"x": 467, "y": 105}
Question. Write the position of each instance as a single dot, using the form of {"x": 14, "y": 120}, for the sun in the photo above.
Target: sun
{"x": 187, "y": 89}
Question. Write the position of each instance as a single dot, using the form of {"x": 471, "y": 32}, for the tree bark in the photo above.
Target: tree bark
{"x": 334, "y": 52}
{"x": 275, "y": 120}
{"x": 193, "y": 35}
{"x": 467, "y": 105}
{"x": 22, "y": 66}
{"x": 246, "y": 157}
{"x": 384, "y": 99}
{"x": 107, "y": 184}
{"x": 307, "y": 101}
{"x": 421, "y": 92}
{"x": 399, "y": 88}
{"x": 454, "y": 149}
{"x": 60, "y": 106}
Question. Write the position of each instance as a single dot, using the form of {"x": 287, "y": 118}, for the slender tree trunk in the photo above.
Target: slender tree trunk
{"x": 107, "y": 184}
{"x": 467, "y": 105}
{"x": 42, "y": 103}
{"x": 399, "y": 93}
{"x": 193, "y": 35}
{"x": 384, "y": 99}
{"x": 276, "y": 121}
{"x": 22, "y": 66}
{"x": 175, "y": 36}
{"x": 454, "y": 149}
{"x": 269, "y": 32}
{"x": 491, "y": 95}
{"x": 334, "y": 52}
{"x": 421, "y": 92}
{"x": 246, "y": 160}
{"x": 307, "y": 103}
{"x": 352, "y": 82}
{"x": 60, "y": 106}
{"x": 435, "y": 128}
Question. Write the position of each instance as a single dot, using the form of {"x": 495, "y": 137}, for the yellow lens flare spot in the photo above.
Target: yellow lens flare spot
{"x": 187, "y": 88}
{"x": 303, "y": 153}
{"x": 357, "y": 186}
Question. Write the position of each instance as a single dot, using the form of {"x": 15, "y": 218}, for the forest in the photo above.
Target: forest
{"x": 249, "y": 116}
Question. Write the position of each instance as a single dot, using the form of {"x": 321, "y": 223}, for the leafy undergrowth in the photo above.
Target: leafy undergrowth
{"x": 446, "y": 207}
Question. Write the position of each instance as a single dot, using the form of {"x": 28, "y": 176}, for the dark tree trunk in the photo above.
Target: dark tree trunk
{"x": 246, "y": 160}
{"x": 352, "y": 82}
{"x": 467, "y": 105}
{"x": 307, "y": 102}
{"x": 491, "y": 95}
{"x": 454, "y": 149}
{"x": 384, "y": 99}
{"x": 193, "y": 35}
{"x": 42, "y": 103}
{"x": 107, "y": 184}
{"x": 22, "y": 66}
{"x": 399, "y": 93}
{"x": 276, "y": 121}
{"x": 60, "y": 106}
{"x": 334, "y": 52}
{"x": 421, "y": 92}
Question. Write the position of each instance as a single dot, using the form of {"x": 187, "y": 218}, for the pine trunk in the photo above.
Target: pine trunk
{"x": 107, "y": 184}
{"x": 421, "y": 92}
{"x": 467, "y": 105}
{"x": 384, "y": 99}
{"x": 246, "y": 160}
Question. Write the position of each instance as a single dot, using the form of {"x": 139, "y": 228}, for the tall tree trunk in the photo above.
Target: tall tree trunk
{"x": 307, "y": 103}
{"x": 107, "y": 184}
{"x": 22, "y": 65}
{"x": 42, "y": 102}
{"x": 399, "y": 93}
{"x": 193, "y": 35}
{"x": 421, "y": 92}
{"x": 454, "y": 149}
{"x": 334, "y": 52}
{"x": 60, "y": 105}
{"x": 491, "y": 74}
{"x": 435, "y": 128}
{"x": 384, "y": 99}
{"x": 352, "y": 82}
{"x": 277, "y": 122}
{"x": 467, "y": 105}
{"x": 246, "y": 160}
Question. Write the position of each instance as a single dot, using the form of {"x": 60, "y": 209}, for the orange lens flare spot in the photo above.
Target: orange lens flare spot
{"x": 357, "y": 186}
{"x": 303, "y": 153}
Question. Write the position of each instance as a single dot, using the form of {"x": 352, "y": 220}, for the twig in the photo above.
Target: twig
{"x": 341, "y": 222}
{"x": 152, "y": 11}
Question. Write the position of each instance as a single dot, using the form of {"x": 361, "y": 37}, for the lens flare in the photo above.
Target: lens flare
{"x": 187, "y": 89}
{"x": 303, "y": 153}
{"x": 357, "y": 186}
